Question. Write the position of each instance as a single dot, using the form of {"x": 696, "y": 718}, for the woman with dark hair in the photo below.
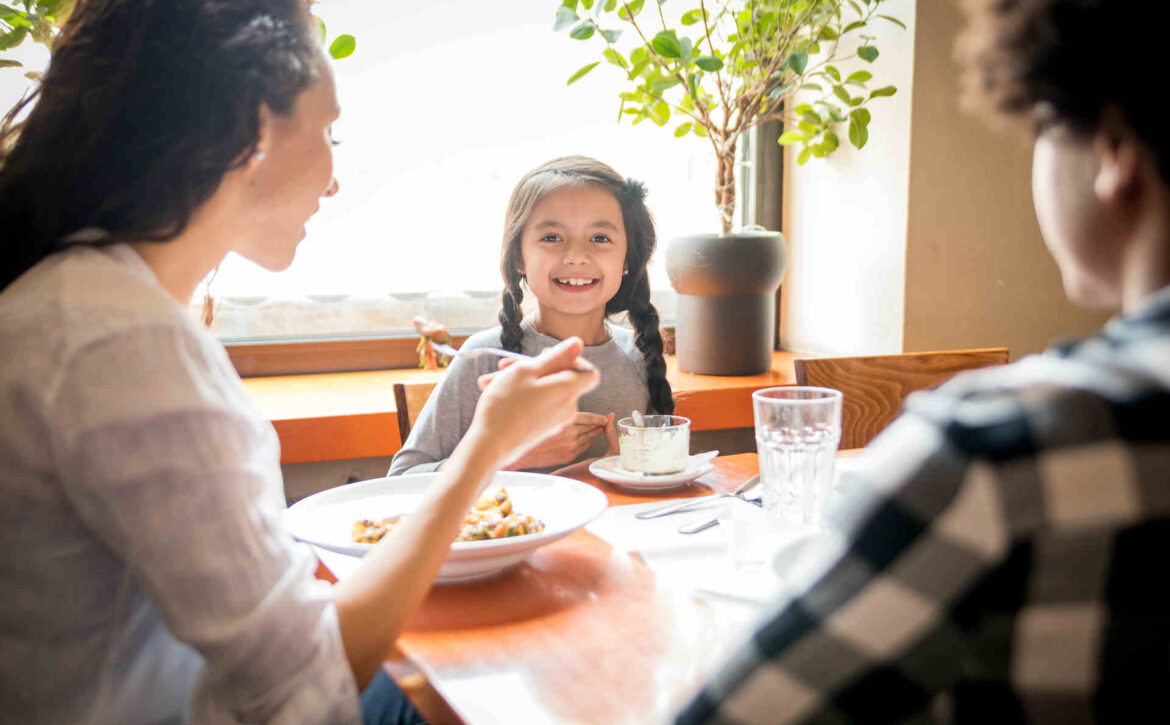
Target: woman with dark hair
{"x": 579, "y": 237}
{"x": 147, "y": 576}
{"x": 1005, "y": 543}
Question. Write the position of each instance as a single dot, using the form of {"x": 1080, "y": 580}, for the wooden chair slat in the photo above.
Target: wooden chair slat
{"x": 875, "y": 387}
{"x": 409, "y": 398}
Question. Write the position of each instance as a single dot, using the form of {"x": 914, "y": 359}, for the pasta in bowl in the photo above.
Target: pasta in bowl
{"x": 552, "y": 507}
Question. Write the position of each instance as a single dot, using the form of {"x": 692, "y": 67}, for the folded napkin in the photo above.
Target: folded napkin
{"x": 699, "y": 563}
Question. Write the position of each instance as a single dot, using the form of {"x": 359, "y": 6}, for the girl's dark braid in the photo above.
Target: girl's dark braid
{"x": 648, "y": 338}
{"x": 510, "y": 312}
{"x": 634, "y": 295}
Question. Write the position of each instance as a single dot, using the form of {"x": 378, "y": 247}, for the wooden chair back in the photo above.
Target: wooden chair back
{"x": 410, "y": 399}
{"x": 875, "y": 387}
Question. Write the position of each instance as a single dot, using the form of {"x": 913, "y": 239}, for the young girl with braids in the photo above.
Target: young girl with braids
{"x": 578, "y": 236}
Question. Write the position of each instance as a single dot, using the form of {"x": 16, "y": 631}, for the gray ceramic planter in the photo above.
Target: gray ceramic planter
{"x": 726, "y": 300}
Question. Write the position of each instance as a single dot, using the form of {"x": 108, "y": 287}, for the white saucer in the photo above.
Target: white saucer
{"x": 608, "y": 469}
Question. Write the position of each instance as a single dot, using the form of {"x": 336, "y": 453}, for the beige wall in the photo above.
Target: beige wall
{"x": 977, "y": 272}
{"x": 845, "y": 219}
{"x": 926, "y": 238}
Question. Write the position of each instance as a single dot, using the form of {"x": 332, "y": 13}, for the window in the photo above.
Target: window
{"x": 444, "y": 106}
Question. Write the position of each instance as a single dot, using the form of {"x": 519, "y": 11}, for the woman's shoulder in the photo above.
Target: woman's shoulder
{"x": 82, "y": 295}
{"x": 86, "y": 303}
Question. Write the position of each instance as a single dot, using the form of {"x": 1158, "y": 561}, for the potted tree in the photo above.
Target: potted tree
{"x": 718, "y": 70}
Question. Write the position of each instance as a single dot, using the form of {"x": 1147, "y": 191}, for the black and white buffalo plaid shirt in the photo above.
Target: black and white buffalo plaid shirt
{"x": 1008, "y": 556}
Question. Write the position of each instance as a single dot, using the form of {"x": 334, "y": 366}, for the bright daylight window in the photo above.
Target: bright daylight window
{"x": 445, "y": 105}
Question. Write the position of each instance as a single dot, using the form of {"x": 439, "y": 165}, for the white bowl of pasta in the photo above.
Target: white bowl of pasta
{"x": 538, "y": 510}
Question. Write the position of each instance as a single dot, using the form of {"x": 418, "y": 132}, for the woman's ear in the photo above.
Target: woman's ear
{"x": 263, "y": 141}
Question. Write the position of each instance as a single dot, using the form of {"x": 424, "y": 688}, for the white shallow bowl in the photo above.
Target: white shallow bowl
{"x": 564, "y": 505}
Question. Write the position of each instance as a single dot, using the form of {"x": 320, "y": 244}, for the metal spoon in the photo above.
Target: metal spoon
{"x": 674, "y": 508}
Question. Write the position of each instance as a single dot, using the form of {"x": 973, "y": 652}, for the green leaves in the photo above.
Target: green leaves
{"x": 709, "y": 63}
{"x": 797, "y": 61}
{"x": 627, "y": 10}
{"x": 581, "y": 73}
{"x": 640, "y": 65}
{"x": 790, "y": 137}
{"x": 858, "y": 127}
{"x": 13, "y": 38}
{"x": 720, "y": 69}
{"x": 584, "y": 31}
{"x": 7, "y": 63}
{"x": 830, "y": 142}
{"x": 565, "y": 17}
{"x": 666, "y": 44}
{"x": 859, "y": 78}
{"x": 659, "y": 85}
{"x": 342, "y": 46}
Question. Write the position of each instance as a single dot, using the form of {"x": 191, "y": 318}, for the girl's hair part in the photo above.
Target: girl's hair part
{"x": 145, "y": 106}
{"x": 632, "y": 297}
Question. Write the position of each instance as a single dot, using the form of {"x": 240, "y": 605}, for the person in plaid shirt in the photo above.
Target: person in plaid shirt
{"x": 1005, "y": 554}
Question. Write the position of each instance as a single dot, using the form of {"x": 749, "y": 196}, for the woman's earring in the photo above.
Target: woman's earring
{"x": 625, "y": 272}
{"x": 258, "y": 154}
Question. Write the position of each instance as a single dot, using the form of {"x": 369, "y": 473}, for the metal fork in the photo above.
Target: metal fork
{"x": 696, "y": 526}
{"x": 477, "y": 351}
{"x": 472, "y": 352}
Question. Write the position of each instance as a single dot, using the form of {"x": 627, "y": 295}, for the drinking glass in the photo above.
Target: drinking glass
{"x": 654, "y": 444}
{"x": 798, "y": 430}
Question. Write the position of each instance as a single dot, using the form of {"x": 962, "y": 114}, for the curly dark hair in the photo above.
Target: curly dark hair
{"x": 1043, "y": 60}
{"x": 144, "y": 108}
{"x": 632, "y": 297}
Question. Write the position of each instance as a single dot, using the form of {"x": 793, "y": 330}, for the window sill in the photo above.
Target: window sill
{"x": 337, "y": 416}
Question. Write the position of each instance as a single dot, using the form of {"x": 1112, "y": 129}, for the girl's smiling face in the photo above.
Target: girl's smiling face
{"x": 573, "y": 248}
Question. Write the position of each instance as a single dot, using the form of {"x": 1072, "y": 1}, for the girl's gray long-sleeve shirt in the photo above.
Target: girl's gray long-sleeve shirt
{"x": 448, "y": 412}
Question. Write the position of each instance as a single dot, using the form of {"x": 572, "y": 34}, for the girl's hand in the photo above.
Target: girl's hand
{"x": 564, "y": 445}
{"x": 611, "y": 435}
{"x": 526, "y": 401}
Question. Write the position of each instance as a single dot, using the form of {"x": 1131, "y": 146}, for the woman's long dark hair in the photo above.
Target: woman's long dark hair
{"x": 634, "y": 294}
{"x": 146, "y": 104}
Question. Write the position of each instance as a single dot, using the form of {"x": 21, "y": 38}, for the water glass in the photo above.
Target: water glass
{"x": 654, "y": 444}
{"x": 798, "y": 430}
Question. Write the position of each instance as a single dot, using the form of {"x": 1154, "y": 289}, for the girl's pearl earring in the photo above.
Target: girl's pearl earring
{"x": 259, "y": 155}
